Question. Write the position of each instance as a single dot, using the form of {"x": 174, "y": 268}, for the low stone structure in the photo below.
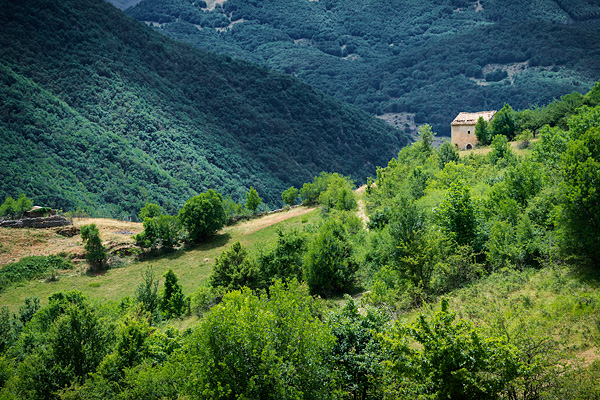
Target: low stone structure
{"x": 41, "y": 222}
{"x": 38, "y": 212}
{"x": 463, "y": 128}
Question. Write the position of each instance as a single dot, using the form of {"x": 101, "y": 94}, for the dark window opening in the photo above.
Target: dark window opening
{"x": 469, "y": 147}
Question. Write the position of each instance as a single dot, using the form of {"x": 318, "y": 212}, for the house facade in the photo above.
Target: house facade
{"x": 463, "y": 128}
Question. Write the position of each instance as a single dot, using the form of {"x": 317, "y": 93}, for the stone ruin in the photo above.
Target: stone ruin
{"x": 37, "y": 217}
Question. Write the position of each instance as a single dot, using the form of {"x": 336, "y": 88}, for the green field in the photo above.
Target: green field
{"x": 192, "y": 265}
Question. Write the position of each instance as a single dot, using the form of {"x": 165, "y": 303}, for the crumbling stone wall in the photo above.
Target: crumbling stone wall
{"x": 42, "y": 222}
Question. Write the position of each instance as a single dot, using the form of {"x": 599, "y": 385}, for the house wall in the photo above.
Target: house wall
{"x": 463, "y": 135}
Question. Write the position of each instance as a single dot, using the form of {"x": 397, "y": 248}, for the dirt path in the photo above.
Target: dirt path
{"x": 268, "y": 220}
{"x": 361, "y": 206}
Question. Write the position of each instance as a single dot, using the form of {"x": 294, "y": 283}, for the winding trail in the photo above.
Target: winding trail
{"x": 361, "y": 213}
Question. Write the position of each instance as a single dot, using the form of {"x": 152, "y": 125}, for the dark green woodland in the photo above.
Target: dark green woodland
{"x": 100, "y": 112}
{"x": 431, "y": 59}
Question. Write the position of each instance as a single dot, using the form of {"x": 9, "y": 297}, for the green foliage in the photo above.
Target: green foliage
{"x": 425, "y": 142}
{"x": 252, "y": 200}
{"x": 234, "y": 269}
{"x": 28, "y": 310}
{"x": 496, "y": 75}
{"x": 284, "y": 262}
{"x": 336, "y": 187}
{"x": 289, "y": 196}
{"x": 483, "y": 132}
{"x": 15, "y": 208}
{"x": 456, "y": 269}
{"x": 457, "y": 214}
{"x": 28, "y": 268}
{"x": 454, "y": 360}
{"x": 500, "y": 149}
{"x": 150, "y": 210}
{"x": 95, "y": 252}
{"x": 389, "y": 59}
{"x": 163, "y": 231}
{"x": 173, "y": 303}
{"x": 358, "y": 353}
{"x": 580, "y": 167}
{"x": 504, "y": 123}
{"x": 147, "y": 291}
{"x": 447, "y": 152}
{"x": 263, "y": 348}
{"x": 203, "y": 215}
{"x": 524, "y": 181}
{"x": 159, "y": 129}
{"x": 7, "y": 329}
{"x": 60, "y": 346}
{"x": 329, "y": 265}
{"x": 339, "y": 194}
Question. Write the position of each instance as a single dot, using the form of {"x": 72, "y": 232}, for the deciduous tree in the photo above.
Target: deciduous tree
{"x": 203, "y": 215}
{"x": 252, "y": 200}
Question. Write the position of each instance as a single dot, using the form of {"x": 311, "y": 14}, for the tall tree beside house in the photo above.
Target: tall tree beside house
{"x": 482, "y": 131}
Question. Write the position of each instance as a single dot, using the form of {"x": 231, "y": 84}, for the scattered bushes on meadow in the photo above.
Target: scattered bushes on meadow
{"x": 29, "y": 268}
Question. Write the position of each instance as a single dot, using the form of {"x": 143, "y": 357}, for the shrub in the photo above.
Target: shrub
{"x": 163, "y": 231}
{"x": 95, "y": 252}
{"x": 147, "y": 291}
{"x": 15, "y": 208}
{"x": 29, "y": 268}
{"x": 172, "y": 301}
{"x": 234, "y": 269}
{"x": 284, "y": 262}
{"x": 329, "y": 265}
{"x": 252, "y": 200}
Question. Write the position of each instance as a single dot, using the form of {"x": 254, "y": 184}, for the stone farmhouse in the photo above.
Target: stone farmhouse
{"x": 463, "y": 128}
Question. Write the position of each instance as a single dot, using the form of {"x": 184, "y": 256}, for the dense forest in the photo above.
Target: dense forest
{"x": 425, "y": 60}
{"x": 497, "y": 253}
{"x": 101, "y": 113}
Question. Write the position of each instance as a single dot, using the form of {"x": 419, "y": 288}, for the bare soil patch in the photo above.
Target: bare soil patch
{"x": 400, "y": 120}
{"x": 23, "y": 242}
{"x": 211, "y": 4}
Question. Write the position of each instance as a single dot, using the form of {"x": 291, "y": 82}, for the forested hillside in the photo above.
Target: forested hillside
{"x": 478, "y": 278}
{"x": 100, "y": 112}
{"x": 411, "y": 61}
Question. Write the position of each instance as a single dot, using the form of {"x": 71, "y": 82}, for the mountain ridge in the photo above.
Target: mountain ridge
{"x": 424, "y": 59}
{"x": 192, "y": 119}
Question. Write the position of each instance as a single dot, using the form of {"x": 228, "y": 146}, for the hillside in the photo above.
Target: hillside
{"x": 102, "y": 113}
{"x": 411, "y": 61}
{"x": 476, "y": 277}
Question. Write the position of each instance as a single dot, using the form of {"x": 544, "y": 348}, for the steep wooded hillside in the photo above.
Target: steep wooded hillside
{"x": 99, "y": 111}
{"x": 410, "y": 61}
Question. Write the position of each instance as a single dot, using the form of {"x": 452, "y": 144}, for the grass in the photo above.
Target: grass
{"x": 556, "y": 302}
{"x": 515, "y": 147}
{"x": 192, "y": 265}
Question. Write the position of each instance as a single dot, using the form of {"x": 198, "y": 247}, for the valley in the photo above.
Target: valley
{"x": 259, "y": 200}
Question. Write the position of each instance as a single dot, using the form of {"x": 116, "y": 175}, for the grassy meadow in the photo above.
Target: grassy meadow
{"x": 192, "y": 265}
